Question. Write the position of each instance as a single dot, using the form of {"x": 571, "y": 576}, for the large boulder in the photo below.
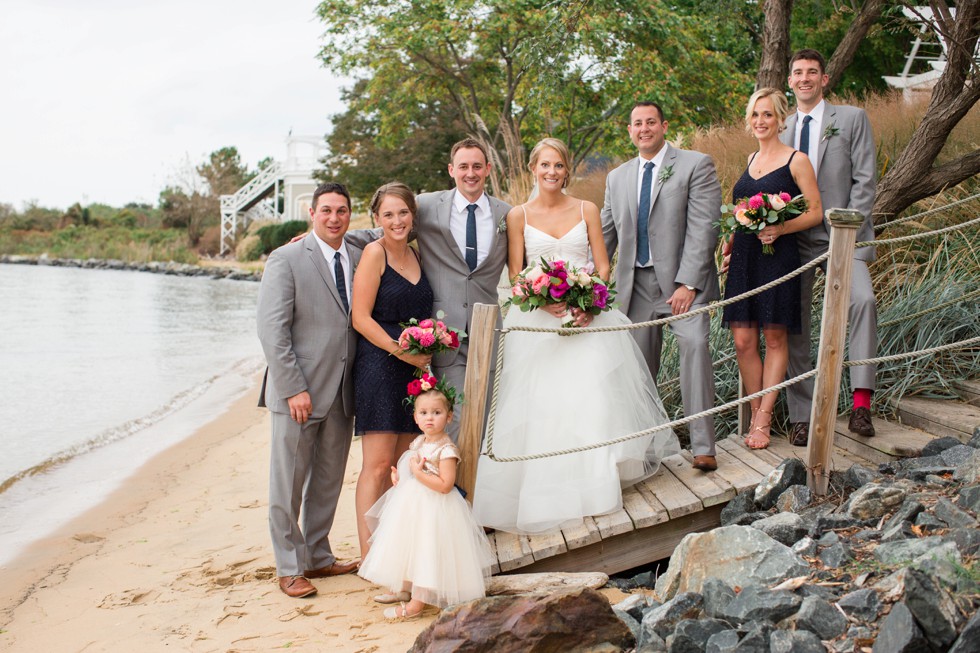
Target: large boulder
{"x": 788, "y": 473}
{"x": 874, "y": 500}
{"x": 969, "y": 471}
{"x": 755, "y": 603}
{"x": 784, "y": 527}
{"x": 820, "y": 618}
{"x": 933, "y": 609}
{"x": 577, "y": 620}
{"x": 741, "y": 555}
{"x": 663, "y": 619}
{"x": 899, "y": 633}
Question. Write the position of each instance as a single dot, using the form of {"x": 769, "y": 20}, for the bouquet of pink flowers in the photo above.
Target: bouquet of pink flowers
{"x": 429, "y": 336}
{"x": 428, "y": 382}
{"x": 752, "y": 214}
{"x": 554, "y": 282}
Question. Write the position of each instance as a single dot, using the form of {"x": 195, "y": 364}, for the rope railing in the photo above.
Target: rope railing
{"x": 938, "y": 209}
{"x": 914, "y": 354}
{"x": 921, "y": 234}
{"x": 931, "y": 309}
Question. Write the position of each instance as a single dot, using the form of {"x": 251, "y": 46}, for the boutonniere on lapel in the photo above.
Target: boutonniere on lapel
{"x": 502, "y": 225}
{"x": 831, "y": 131}
{"x": 665, "y": 174}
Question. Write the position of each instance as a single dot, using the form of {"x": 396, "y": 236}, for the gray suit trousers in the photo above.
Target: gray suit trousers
{"x": 697, "y": 376}
{"x": 862, "y": 340}
{"x": 307, "y": 469}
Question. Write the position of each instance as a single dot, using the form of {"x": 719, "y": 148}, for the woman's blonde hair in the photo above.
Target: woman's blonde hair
{"x": 779, "y": 106}
{"x": 557, "y": 146}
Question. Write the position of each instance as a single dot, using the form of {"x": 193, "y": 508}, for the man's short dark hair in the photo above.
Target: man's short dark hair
{"x": 468, "y": 143}
{"x": 647, "y": 103}
{"x": 330, "y": 187}
{"x": 809, "y": 54}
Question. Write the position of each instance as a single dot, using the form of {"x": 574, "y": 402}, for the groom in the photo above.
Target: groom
{"x": 661, "y": 207}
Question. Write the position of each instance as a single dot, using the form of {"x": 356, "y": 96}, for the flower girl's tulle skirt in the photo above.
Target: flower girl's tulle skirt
{"x": 561, "y": 392}
{"x": 428, "y": 539}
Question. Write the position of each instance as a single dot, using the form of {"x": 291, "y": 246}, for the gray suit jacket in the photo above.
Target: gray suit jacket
{"x": 304, "y": 330}
{"x": 845, "y": 175}
{"x": 683, "y": 224}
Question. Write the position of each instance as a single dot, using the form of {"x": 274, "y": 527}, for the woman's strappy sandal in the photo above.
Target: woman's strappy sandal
{"x": 753, "y": 439}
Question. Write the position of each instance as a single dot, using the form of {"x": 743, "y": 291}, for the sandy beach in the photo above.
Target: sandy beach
{"x": 179, "y": 559}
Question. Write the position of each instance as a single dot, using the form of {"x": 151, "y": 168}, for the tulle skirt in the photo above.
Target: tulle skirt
{"x": 561, "y": 392}
{"x": 427, "y": 539}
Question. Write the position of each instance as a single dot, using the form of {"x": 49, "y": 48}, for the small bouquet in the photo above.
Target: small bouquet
{"x": 428, "y": 382}
{"x": 752, "y": 214}
{"x": 554, "y": 282}
{"x": 429, "y": 336}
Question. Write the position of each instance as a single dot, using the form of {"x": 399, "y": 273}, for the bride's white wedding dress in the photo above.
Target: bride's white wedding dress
{"x": 561, "y": 392}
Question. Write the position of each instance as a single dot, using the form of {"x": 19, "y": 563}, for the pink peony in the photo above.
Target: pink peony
{"x": 756, "y": 201}
{"x": 600, "y": 295}
{"x": 785, "y": 196}
{"x": 425, "y": 324}
{"x": 441, "y": 325}
{"x": 558, "y": 290}
{"x": 426, "y": 339}
{"x": 540, "y": 283}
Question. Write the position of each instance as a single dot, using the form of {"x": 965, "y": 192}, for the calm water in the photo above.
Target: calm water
{"x": 101, "y": 369}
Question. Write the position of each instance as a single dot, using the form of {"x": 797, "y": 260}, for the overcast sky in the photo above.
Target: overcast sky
{"x": 107, "y": 100}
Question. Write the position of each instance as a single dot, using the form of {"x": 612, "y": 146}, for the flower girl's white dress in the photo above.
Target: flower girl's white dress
{"x": 425, "y": 537}
{"x": 561, "y": 392}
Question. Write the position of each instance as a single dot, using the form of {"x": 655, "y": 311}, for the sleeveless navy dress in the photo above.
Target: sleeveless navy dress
{"x": 380, "y": 379}
{"x": 749, "y": 268}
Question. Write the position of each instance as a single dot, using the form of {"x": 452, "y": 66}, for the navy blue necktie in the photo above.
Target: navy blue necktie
{"x": 643, "y": 219}
{"x": 805, "y": 135}
{"x": 471, "y": 236}
{"x": 338, "y": 273}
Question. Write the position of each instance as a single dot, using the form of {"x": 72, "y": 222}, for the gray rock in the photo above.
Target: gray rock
{"x": 933, "y": 609}
{"x": 691, "y": 635}
{"x": 756, "y": 638}
{"x": 937, "y": 481}
{"x": 836, "y": 556}
{"x": 969, "y": 498}
{"x": 828, "y": 539}
{"x": 969, "y": 639}
{"x": 967, "y": 540}
{"x": 867, "y": 535}
{"x": 805, "y": 547}
{"x": 795, "y": 641}
{"x": 724, "y": 642}
{"x": 920, "y": 462}
{"x": 653, "y": 644}
{"x": 900, "y": 531}
{"x": 662, "y": 620}
{"x": 889, "y": 468}
{"x": 975, "y": 440}
{"x": 939, "y": 445}
{"x": 756, "y": 603}
{"x": 821, "y": 618}
{"x": 956, "y": 456}
{"x": 874, "y": 500}
{"x": 891, "y": 553}
{"x": 717, "y": 595}
{"x": 743, "y": 503}
{"x": 942, "y": 562}
{"x": 949, "y": 513}
{"x": 831, "y": 522}
{"x": 645, "y": 579}
{"x": 861, "y": 604}
{"x": 784, "y": 527}
{"x": 742, "y": 555}
{"x": 899, "y": 633}
{"x": 794, "y": 499}
{"x": 790, "y": 472}
{"x": 630, "y": 622}
{"x": 928, "y": 521}
{"x": 749, "y": 518}
{"x": 856, "y": 476}
{"x": 634, "y": 605}
{"x": 969, "y": 471}
{"x": 906, "y": 512}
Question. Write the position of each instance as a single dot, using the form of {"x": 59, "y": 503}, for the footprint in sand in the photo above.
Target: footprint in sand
{"x": 87, "y": 538}
{"x": 128, "y": 598}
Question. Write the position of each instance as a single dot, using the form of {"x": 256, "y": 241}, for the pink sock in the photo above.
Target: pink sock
{"x": 862, "y": 398}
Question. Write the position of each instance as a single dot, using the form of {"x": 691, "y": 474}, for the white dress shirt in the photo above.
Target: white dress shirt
{"x": 816, "y": 133}
{"x": 328, "y": 253}
{"x": 484, "y": 225}
{"x": 658, "y": 161}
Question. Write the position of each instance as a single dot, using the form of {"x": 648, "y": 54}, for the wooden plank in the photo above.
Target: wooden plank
{"x": 639, "y": 509}
{"x": 545, "y": 545}
{"x": 660, "y": 514}
{"x": 733, "y": 470}
{"x": 638, "y": 547}
{"x": 893, "y": 439}
{"x": 940, "y": 417}
{"x": 513, "y": 551}
{"x": 767, "y": 454}
{"x": 706, "y": 486}
{"x": 495, "y": 567}
{"x": 968, "y": 390}
{"x": 674, "y": 495}
{"x": 747, "y": 456}
{"x": 582, "y": 534}
{"x": 613, "y": 523}
{"x": 478, "y": 365}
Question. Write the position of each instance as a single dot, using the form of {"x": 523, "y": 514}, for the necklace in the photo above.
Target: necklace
{"x": 399, "y": 261}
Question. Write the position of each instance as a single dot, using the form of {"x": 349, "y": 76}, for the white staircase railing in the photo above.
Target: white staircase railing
{"x": 244, "y": 198}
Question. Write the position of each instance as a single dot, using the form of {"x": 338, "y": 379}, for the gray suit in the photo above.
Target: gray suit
{"x": 309, "y": 346}
{"x": 846, "y": 179}
{"x": 683, "y": 237}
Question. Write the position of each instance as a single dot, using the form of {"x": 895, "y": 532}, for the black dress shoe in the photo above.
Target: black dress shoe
{"x": 799, "y": 434}
{"x": 860, "y": 422}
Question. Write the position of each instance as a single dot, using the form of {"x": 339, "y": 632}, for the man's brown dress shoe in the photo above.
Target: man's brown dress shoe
{"x": 296, "y": 586}
{"x": 336, "y": 569}
{"x": 860, "y": 422}
{"x": 705, "y": 463}
{"x": 799, "y": 434}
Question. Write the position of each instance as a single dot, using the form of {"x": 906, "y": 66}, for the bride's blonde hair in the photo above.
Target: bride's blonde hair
{"x": 557, "y": 146}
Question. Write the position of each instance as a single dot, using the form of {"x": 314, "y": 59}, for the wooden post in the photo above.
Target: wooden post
{"x": 744, "y": 411}
{"x": 844, "y": 224}
{"x": 478, "y": 365}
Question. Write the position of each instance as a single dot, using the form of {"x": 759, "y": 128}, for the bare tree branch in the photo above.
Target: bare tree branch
{"x": 774, "y": 62}
{"x": 843, "y": 55}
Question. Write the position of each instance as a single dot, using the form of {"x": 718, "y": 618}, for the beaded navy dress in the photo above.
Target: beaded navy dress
{"x": 380, "y": 379}
{"x": 749, "y": 268}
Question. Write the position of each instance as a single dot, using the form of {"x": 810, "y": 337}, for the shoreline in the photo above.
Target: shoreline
{"x": 157, "y": 267}
{"x": 179, "y": 555}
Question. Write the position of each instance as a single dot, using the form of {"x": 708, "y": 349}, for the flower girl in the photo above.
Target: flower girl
{"x": 425, "y": 545}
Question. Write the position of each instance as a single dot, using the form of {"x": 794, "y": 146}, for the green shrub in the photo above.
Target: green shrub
{"x": 277, "y": 235}
{"x": 249, "y": 249}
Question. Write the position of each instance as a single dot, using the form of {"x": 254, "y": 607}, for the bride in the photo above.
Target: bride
{"x": 562, "y": 392}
